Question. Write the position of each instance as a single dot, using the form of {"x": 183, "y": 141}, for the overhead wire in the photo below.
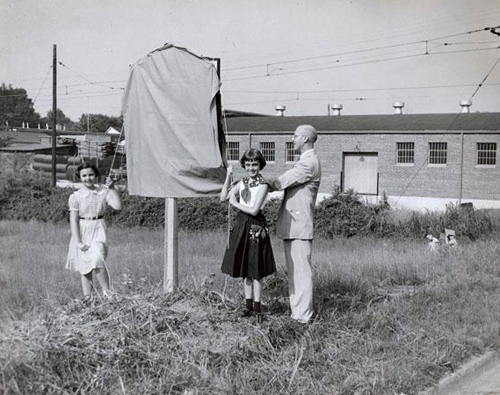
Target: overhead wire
{"x": 481, "y": 16}
{"x": 354, "y": 64}
{"x": 360, "y": 89}
{"x": 88, "y": 80}
{"x": 83, "y": 94}
{"x": 358, "y": 98}
{"x": 25, "y": 112}
{"x": 303, "y": 69}
{"x": 359, "y": 50}
{"x": 479, "y": 86}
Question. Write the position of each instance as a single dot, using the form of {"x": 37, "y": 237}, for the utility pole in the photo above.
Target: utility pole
{"x": 88, "y": 115}
{"x": 54, "y": 113}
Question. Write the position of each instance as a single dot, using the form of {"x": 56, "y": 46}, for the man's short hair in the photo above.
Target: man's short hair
{"x": 310, "y": 131}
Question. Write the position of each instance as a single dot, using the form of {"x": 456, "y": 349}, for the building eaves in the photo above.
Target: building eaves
{"x": 406, "y": 123}
{"x": 26, "y": 148}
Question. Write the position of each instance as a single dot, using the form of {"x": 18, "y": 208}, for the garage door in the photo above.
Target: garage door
{"x": 361, "y": 173}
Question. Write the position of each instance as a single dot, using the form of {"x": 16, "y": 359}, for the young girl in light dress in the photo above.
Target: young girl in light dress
{"x": 249, "y": 254}
{"x": 88, "y": 246}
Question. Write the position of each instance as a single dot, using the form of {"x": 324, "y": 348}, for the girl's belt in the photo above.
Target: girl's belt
{"x": 92, "y": 218}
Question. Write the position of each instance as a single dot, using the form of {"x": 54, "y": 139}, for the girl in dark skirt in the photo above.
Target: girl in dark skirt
{"x": 249, "y": 254}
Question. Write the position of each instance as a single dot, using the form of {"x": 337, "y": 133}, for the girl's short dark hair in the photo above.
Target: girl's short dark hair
{"x": 251, "y": 155}
{"x": 86, "y": 165}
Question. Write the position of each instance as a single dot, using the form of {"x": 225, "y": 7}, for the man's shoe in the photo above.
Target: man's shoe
{"x": 246, "y": 313}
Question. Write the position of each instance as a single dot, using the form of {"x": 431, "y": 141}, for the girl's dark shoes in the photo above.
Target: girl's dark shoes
{"x": 257, "y": 311}
{"x": 247, "y": 312}
{"x": 252, "y": 309}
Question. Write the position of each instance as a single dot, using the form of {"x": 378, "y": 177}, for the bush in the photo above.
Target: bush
{"x": 345, "y": 215}
{"x": 30, "y": 196}
{"x": 467, "y": 223}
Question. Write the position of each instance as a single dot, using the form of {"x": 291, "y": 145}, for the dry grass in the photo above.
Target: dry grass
{"x": 390, "y": 319}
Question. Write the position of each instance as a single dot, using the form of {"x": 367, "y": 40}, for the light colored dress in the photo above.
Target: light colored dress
{"x": 90, "y": 204}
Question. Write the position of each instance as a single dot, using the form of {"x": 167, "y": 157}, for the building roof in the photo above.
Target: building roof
{"x": 26, "y": 148}
{"x": 393, "y": 123}
{"x": 112, "y": 130}
{"x": 236, "y": 113}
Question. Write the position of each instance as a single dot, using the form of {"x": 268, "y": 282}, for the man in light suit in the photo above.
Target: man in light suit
{"x": 295, "y": 220}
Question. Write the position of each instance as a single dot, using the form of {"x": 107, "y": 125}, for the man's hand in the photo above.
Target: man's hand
{"x": 271, "y": 182}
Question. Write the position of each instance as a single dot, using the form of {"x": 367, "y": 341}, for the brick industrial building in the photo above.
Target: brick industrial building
{"x": 418, "y": 160}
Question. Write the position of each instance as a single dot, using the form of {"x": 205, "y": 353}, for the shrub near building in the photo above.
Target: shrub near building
{"x": 30, "y": 196}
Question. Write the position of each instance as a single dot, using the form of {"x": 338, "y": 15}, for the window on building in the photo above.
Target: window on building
{"x": 268, "y": 151}
{"x": 233, "y": 151}
{"x": 437, "y": 153}
{"x": 486, "y": 154}
{"x": 291, "y": 155}
{"x": 405, "y": 153}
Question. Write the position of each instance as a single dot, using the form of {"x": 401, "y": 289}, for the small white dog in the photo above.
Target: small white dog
{"x": 433, "y": 243}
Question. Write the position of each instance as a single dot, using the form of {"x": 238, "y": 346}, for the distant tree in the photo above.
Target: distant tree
{"x": 99, "y": 123}
{"x": 61, "y": 119}
{"x": 16, "y": 107}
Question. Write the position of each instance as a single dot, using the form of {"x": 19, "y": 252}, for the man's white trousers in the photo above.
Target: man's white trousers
{"x": 300, "y": 285}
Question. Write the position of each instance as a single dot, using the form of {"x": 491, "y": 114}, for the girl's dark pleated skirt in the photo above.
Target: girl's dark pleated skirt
{"x": 249, "y": 253}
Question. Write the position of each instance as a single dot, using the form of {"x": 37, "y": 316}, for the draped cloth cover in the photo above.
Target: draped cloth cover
{"x": 170, "y": 119}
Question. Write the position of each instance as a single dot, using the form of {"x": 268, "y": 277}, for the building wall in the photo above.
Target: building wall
{"x": 417, "y": 180}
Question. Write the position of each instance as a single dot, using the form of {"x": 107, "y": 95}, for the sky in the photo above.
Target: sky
{"x": 303, "y": 54}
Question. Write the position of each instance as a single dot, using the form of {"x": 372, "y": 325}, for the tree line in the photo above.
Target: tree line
{"x": 16, "y": 109}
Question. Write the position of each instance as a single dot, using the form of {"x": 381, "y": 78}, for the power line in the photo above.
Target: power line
{"x": 357, "y": 64}
{"x": 449, "y": 127}
{"x": 397, "y": 32}
{"x": 362, "y": 89}
{"x": 36, "y": 96}
{"x": 83, "y": 94}
{"x": 271, "y": 64}
{"x": 360, "y": 50}
{"x": 89, "y": 81}
{"x": 62, "y": 85}
{"x": 105, "y": 93}
{"x": 329, "y": 99}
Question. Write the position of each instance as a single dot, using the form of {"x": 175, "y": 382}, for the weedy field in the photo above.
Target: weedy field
{"x": 391, "y": 318}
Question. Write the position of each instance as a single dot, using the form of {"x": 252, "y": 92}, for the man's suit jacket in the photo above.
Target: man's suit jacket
{"x": 301, "y": 183}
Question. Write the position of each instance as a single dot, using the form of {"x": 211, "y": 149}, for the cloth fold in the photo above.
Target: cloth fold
{"x": 170, "y": 119}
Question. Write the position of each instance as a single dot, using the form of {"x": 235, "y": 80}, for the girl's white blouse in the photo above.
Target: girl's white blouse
{"x": 91, "y": 202}
{"x": 253, "y": 196}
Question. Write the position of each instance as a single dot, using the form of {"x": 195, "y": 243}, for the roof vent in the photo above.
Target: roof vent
{"x": 465, "y": 104}
{"x": 280, "y": 111}
{"x": 398, "y": 107}
{"x": 336, "y": 108}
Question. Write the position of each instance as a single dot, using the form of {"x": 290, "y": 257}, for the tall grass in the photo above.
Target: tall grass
{"x": 390, "y": 318}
